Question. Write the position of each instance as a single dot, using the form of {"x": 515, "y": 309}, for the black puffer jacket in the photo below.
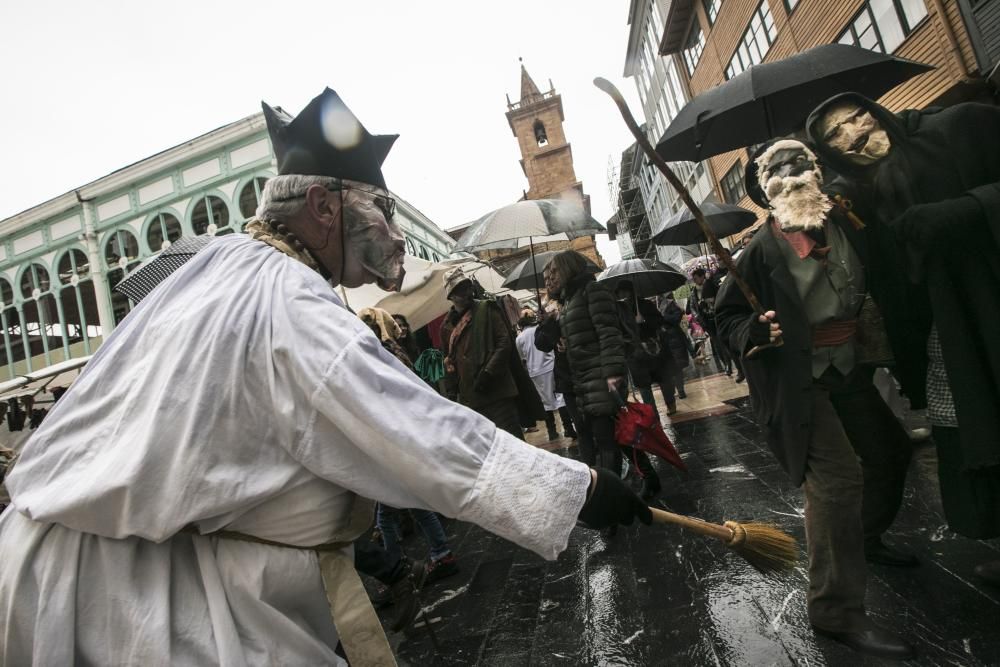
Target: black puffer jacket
{"x": 593, "y": 343}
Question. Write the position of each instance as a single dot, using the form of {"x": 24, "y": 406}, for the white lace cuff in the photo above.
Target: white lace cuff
{"x": 528, "y": 495}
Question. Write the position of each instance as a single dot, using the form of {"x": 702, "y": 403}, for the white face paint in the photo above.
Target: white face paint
{"x": 853, "y": 132}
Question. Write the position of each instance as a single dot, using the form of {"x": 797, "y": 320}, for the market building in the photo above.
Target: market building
{"x": 714, "y": 40}
{"x": 59, "y": 259}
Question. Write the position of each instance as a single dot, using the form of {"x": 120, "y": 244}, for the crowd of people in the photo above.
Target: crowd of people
{"x": 236, "y": 533}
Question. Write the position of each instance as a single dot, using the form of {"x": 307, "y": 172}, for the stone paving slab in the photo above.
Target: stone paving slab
{"x": 661, "y": 596}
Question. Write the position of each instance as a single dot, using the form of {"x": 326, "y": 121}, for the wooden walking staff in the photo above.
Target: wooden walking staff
{"x": 719, "y": 250}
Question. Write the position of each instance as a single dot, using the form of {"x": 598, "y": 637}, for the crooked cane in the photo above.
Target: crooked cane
{"x": 720, "y": 251}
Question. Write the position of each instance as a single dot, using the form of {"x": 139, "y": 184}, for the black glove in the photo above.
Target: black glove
{"x": 613, "y": 502}
{"x": 925, "y": 225}
{"x": 483, "y": 382}
{"x": 760, "y": 332}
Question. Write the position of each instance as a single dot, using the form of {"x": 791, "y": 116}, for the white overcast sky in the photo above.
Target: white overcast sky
{"x": 89, "y": 87}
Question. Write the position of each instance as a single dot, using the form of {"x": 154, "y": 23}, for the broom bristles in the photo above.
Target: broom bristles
{"x": 765, "y": 546}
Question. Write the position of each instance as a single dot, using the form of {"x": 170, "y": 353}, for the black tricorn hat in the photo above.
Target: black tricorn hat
{"x": 327, "y": 139}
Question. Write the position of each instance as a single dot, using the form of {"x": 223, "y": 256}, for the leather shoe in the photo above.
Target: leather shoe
{"x": 872, "y": 641}
{"x": 989, "y": 572}
{"x": 878, "y": 552}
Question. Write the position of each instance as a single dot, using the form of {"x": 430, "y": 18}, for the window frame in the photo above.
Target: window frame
{"x": 749, "y": 37}
{"x": 708, "y": 6}
{"x": 691, "y": 63}
{"x": 901, "y": 18}
{"x": 728, "y": 187}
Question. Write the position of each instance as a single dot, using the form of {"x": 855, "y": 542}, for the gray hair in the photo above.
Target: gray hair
{"x": 284, "y": 196}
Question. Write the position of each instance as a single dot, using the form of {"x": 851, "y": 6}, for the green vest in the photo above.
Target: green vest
{"x": 831, "y": 289}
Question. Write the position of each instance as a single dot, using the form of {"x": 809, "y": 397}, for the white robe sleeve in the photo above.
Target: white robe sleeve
{"x": 380, "y": 431}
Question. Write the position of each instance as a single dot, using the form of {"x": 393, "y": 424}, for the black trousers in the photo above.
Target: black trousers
{"x": 505, "y": 415}
{"x": 856, "y": 463}
{"x": 374, "y": 561}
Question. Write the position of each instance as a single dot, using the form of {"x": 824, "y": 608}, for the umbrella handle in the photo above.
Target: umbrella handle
{"x": 720, "y": 251}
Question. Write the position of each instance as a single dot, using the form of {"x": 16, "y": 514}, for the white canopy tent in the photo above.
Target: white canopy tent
{"x": 422, "y": 297}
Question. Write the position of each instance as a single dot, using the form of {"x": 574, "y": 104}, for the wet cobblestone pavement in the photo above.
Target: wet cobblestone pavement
{"x": 660, "y": 596}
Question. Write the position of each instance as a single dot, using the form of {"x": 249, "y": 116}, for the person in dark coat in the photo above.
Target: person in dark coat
{"x": 647, "y": 360}
{"x": 674, "y": 340}
{"x": 701, "y": 304}
{"x": 548, "y": 338}
{"x": 932, "y": 182}
{"x": 590, "y": 325}
{"x": 482, "y": 370}
{"x": 819, "y": 405}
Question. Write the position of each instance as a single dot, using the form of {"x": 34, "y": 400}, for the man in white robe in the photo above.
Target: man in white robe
{"x": 164, "y": 512}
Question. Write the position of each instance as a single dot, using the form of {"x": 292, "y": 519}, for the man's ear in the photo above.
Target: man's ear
{"x": 322, "y": 203}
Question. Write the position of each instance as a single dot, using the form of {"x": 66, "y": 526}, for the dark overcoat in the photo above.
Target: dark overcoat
{"x": 593, "y": 343}
{"x": 780, "y": 378}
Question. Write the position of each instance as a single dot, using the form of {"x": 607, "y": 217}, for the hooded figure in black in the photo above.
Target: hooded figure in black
{"x": 931, "y": 181}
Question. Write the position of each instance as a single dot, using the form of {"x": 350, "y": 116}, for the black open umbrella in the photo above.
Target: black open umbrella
{"x": 681, "y": 228}
{"x": 528, "y": 274}
{"x": 774, "y": 99}
{"x": 649, "y": 277}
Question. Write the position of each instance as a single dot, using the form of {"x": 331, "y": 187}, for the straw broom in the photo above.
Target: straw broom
{"x": 764, "y": 546}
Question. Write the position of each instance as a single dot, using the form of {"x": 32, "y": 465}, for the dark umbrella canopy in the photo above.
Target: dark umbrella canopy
{"x": 511, "y": 226}
{"x": 528, "y": 275}
{"x": 682, "y": 229}
{"x": 649, "y": 277}
{"x": 774, "y": 99}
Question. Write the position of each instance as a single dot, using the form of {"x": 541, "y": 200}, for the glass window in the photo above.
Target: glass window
{"x": 121, "y": 244}
{"x": 411, "y": 249}
{"x": 164, "y": 227}
{"x": 712, "y": 9}
{"x": 882, "y": 25}
{"x": 790, "y": 5}
{"x": 250, "y": 197}
{"x": 755, "y": 43}
{"x": 694, "y": 46}
{"x": 733, "y": 189}
{"x": 6, "y": 292}
{"x": 73, "y": 263}
{"x": 35, "y": 277}
{"x": 423, "y": 253}
{"x": 209, "y": 212}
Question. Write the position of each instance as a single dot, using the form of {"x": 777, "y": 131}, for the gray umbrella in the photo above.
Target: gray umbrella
{"x": 531, "y": 219}
{"x": 528, "y": 274}
{"x": 145, "y": 277}
{"x": 649, "y": 277}
{"x": 681, "y": 228}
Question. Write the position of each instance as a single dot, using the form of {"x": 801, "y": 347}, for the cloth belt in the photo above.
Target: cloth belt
{"x": 833, "y": 333}
{"x": 358, "y": 626}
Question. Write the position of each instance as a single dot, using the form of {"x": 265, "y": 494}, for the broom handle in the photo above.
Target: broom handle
{"x": 654, "y": 157}
{"x": 690, "y": 523}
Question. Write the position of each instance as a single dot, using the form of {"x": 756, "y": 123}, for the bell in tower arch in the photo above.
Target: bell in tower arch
{"x": 540, "y": 135}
